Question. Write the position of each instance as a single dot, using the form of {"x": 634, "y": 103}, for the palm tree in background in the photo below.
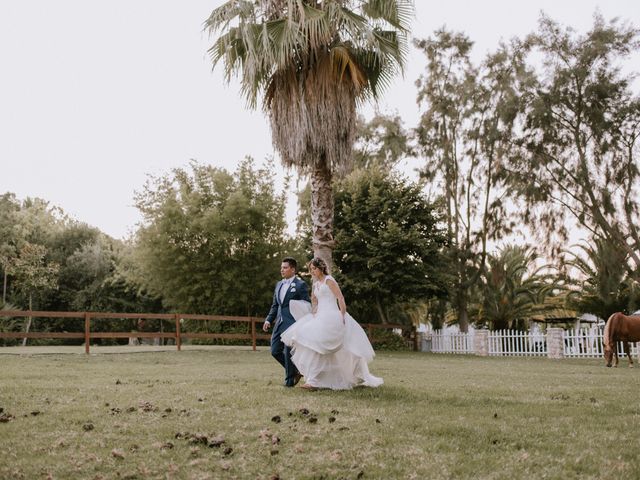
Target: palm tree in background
{"x": 604, "y": 286}
{"x": 312, "y": 62}
{"x": 512, "y": 288}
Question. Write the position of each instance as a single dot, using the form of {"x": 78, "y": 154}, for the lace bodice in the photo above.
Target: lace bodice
{"x": 324, "y": 295}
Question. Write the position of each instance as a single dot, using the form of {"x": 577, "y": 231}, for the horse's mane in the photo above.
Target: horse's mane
{"x": 606, "y": 337}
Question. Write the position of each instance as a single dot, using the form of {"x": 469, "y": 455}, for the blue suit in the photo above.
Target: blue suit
{"x": 280, "y": 317}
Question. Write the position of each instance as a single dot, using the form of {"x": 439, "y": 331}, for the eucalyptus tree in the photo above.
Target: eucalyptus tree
{"x": 381, "y": 142}
{"x": 312, "y": 62}
{"x": 579, "y": 155}
{"x": 465, "y": 136}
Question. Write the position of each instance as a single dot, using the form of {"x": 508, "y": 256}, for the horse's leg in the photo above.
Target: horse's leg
{"x": 615, "y": 354}
{"x": 628, "y": 352}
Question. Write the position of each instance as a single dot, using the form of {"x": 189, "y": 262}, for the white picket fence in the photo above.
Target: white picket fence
{"x": 505, "y": 343}
{"x": 582, "y": 343}
{"x": 451, "y": 342}
{"x": 589, "y": 343}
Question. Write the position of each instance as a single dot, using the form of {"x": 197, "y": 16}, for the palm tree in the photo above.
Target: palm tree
{"x": 513, "y": 289}
{"x": 604, "y": 286}
{"x": 312, "y": 61}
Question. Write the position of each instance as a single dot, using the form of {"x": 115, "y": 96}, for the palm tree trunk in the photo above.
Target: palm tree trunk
{"x": 322, "y": 212}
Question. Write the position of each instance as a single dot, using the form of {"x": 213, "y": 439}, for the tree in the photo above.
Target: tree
{"x": 465, "y": 135}
{"x": 27, "y": 223}
{"x": 388, "y": 244}
{"x": 603, "y": 285}
{"x": 580, "y": 140}
{"x": 513, "y": 288}
{"x": 313, "y": 62}
{"x": 10, "y": 236}
{"x": 34, "y": 274}
{"x": 381, "y": 142}
{"x": 211, "y": 241}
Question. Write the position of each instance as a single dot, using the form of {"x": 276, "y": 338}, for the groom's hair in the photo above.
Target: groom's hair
{"x": 292, "y": 262}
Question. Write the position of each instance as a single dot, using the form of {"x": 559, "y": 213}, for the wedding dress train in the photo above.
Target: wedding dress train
{"x": 329, "y": 353}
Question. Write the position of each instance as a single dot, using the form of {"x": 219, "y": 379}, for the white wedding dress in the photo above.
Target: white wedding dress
{"x": 329, "y": 353}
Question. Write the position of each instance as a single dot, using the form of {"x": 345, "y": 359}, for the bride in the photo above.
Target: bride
{"x": 328, "y": 346}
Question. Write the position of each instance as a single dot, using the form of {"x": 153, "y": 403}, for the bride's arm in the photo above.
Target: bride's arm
{"x": 314, "y": 302}
{"x": 333, "y": 285}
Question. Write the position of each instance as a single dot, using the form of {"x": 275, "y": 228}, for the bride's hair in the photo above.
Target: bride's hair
{"x": 320, "y": 264}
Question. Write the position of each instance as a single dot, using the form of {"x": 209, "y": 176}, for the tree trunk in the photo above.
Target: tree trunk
{"x": 24, "y": 340}
{"x": 322, "y": 212}
{"x": 4, "y": 288}
{"x": 463, "y": 317}
{"x": 383, "y": 317}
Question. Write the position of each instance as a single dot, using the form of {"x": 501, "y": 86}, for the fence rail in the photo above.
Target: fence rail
{"x": 175, "y": 318}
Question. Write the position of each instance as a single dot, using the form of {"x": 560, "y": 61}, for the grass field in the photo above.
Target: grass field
{"x": 222, "y": 413}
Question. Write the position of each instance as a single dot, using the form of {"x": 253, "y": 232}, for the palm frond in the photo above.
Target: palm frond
{"x": 221, "y": 17}
{"x": 314, "y": 62}
{"x": 396, "y": 13}
{"x": 345, "y": 63}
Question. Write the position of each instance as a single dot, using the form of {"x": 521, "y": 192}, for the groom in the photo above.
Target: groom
{"x": 287, "y": 289}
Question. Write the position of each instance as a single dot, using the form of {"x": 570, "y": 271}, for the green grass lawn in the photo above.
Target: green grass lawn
{"x": 146, "y": 415}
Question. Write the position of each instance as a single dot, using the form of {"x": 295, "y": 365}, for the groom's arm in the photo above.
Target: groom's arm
{"x": 304, "y": 291}
{"x": 273, "y": 312}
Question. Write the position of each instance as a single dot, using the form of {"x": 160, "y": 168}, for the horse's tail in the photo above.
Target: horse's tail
{"x": 607, "y": 336}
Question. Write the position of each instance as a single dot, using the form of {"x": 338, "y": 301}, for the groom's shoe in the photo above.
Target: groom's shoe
{"x": 296, "y": 379}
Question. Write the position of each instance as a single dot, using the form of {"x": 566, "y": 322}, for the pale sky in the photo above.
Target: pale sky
{"x": 95, "y": 95}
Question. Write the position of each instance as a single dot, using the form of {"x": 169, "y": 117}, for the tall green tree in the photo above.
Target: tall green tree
{"x": 390, "y": 244}
{"x": 465, "y": 135}
{"x": 579, "y": 157}
{"x": 312, "y": 61}
{"x": 211, "y": 241}
{"x": 30, "y": 222}
{"x": 34, "y": 275}
{"x": 10, "y": 237}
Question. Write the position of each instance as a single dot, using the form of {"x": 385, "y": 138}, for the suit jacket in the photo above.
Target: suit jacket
{"x": 279, "y": 312}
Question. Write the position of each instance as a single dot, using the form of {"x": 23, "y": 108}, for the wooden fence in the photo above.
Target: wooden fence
{"x": 175, "y": 318}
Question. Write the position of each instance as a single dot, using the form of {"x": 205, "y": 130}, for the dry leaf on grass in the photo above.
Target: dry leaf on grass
{"x": 117, "y": 453}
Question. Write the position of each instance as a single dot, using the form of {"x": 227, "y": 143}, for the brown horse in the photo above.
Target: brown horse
{"x": 624, "y": 328}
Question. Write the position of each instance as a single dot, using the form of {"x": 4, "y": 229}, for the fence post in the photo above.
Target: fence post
{"x": 555, "y": 343}
{"x": 481, "y": 343}
{"x": 87, "y": 336}
{"x": 178, "y": 339}
{"x": 253, "y": 333}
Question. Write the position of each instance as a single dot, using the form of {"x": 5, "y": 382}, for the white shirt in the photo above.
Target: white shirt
{"x": 286, "y": 283}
